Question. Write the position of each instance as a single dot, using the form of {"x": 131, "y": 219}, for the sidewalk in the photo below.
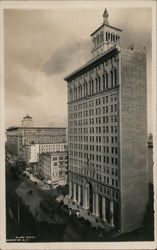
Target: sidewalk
{"x": 39, "y": 182}
{"x": 84, "y": 213}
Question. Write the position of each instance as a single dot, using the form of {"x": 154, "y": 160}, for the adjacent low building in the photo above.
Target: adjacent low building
{"x": 53, "y": 167}
{"x": 19, "y": 137}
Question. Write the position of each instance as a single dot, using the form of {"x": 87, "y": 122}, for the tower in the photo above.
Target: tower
{"x": 105, "y": 37}
{"x": 27, "y": 121}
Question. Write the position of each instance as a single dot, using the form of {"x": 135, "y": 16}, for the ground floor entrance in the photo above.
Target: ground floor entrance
{"x": 98, "y": 205}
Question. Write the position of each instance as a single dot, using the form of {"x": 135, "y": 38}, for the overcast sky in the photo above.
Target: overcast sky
{"x": 43, "y": 46}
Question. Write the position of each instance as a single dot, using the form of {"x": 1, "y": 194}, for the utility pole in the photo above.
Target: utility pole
{"x": 18, "y": 211}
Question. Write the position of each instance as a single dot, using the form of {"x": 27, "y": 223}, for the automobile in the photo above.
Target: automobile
{"x": 61, "y": 203}
{"x": 75, "y": 212}
{"x": 45, "y": 187}
{"x": 30, "y": 192}
{"x": 26, "y": 173}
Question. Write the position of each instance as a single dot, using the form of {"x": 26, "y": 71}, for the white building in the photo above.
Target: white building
{"x": 33, "y": 150}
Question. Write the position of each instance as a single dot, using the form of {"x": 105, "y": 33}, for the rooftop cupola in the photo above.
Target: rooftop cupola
{"x": 27, "y": 121}
{"x": 105, "y": 37}
{"x": 105, "y": 17}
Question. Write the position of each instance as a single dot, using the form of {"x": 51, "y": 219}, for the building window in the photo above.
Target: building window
{"x": 106, "y": 36}
{"x": 115, "y": 107}
{"x": 116, "y": 161}
{"x": 103, "y": 77}
{"x": 99, "y": 84}
{"x": 107, "y": 180}
{"x": 115, "y": 77}
{"x": 111, "y": 74}
{"x": 90, "y": 88}
{"x": 106, "y": 80}
{"x": 86, "y": 88}
{"x": 97, "y": 40}
{"x": 112, "y": 182}
{"x": 112, "y": 160}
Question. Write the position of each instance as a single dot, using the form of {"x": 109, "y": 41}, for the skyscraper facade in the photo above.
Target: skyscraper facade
{"x": 107, "y": 131}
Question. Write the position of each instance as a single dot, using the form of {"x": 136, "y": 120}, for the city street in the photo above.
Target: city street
{"x": 31, "y": 194}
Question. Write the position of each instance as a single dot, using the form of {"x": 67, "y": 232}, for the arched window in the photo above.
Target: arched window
{"x": 101, "y": 36}
{"x": 103, "y": 79}
{"x": 80, "y": 91}
{"x": 99, "y": 84}
{"x": 71, "y": 95}
{"x": 86, "y": 87}
{"x": 106, "y": 76}
{"x": 106, "y": 36}
{"x": 96, "y": 82}
{"x": 113, "y": 37}
{"x": 94, "y": 42}
{"x": 115, "y": 77}
{"x": 97, "y": 39}
{"x": 76, "y": 93}
{"x": 111, "y": 74}
{"x": 92, "y": 87}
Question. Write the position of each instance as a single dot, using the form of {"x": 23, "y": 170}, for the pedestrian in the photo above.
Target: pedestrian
{"x": 78, "y": 214}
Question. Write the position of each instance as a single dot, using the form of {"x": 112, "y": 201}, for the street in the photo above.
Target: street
{"x": 31, "y": 195}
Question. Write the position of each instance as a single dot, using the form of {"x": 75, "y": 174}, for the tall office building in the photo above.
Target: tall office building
{"x": 107, "y": 131}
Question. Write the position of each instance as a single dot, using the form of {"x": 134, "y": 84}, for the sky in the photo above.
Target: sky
{"x": 41, "y": 47}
